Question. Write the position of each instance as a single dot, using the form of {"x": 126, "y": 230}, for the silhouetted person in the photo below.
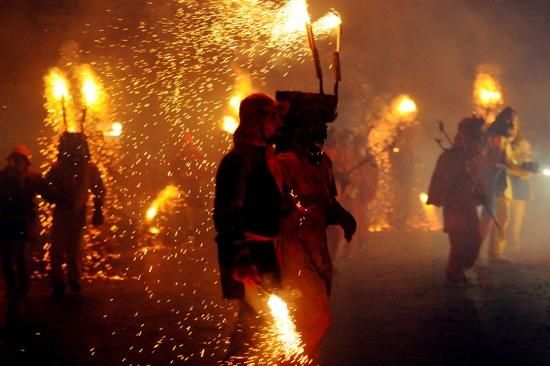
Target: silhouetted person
{"x": 19, "y": 186}
{"x": 71, "y": 180}
{"x": 457, "y": 187}
{"x": 247, "y": 214}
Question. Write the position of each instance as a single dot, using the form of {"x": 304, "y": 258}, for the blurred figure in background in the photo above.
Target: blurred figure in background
{"x": 457, "y": 187}
{"x": 503, "y": 132}
{"x": 19, "y": 226}
{"x": 70, "y": 180}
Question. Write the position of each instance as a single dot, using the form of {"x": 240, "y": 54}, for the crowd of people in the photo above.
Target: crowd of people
{"x": 276, "y": 196}
{"x": 486, "y": 169}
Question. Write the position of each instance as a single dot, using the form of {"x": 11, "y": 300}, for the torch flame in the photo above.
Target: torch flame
{"x": 404, "y": 108}
{"x": 488, "y": 97}
{"x": 90, "y": 91}
{"x": 162, "y": 201}
{"x": 292, "y": 18}
{"x": 285, "y": 328}
{"x": 328, "y": 22}
{"x": 487, "y": 91}
{"x": 243, "y": 87}
{"x": 59, "y": 84}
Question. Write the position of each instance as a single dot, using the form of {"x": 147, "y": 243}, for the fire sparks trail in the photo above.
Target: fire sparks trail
{"x": 488, "y": 96}
{"x": 285, "y": 331}
{"x": 387, "y": 127}
{"x": 164, "y": 201}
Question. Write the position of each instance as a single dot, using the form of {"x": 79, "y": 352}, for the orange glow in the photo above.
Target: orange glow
{"x": 488, "y": 96}
{"x": 241, "y": 89}
{"x": 423, "y": 197}
{"x": 162, "y": 201}
{"x": 285, "y": 329}
{"x": 116, "y": 130}
{"x": 327, "y": 23}
{"x": 404, "y": 108}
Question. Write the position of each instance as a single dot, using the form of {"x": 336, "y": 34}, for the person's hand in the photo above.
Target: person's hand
{"x": 350, "y": 226}
{"x": 97, "y": 218}
{"x": 247, "y": 274}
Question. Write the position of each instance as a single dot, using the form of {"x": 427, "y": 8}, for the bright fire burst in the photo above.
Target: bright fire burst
{"x": 241, "y": 89}
{"x": 285, "y": 329}
{"x": 488, "y": 96}
{"x": 162, "y": 202}
{"x": 404, "y": 108}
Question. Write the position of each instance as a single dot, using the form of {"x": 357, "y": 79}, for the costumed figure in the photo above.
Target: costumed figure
{"x": 457, "y": 187}
{"x": 71, "y": 179}
{"x": 310, "y": 193}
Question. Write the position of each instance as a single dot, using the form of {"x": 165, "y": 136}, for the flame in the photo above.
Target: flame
{"x": 241, "y": 89}
{"x": 59, "y": 84}
{"x": 91, "y": 88}
{"x": 285, "y": 328}
{"x": 327, "y": 23}
{"x": 488, "y": 97}
{"x": 423, "y": 197}
{"x": 162, "y": 201}
{"x": 291, "y": 19}
{"x": 404, "y": 108}
{"x": 230, "y": 124}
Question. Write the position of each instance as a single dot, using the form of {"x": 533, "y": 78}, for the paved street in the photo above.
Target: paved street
{"x": 390, "y": 308}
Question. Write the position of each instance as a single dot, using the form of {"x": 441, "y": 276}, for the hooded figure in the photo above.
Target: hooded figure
{"x": 247, "y": 214}
{"x": 309, "y": 186}
{"x": 71, "y": 179}
{"x": 456, "y": 186}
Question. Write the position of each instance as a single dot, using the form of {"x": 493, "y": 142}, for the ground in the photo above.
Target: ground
{"x": 389, "y": 302}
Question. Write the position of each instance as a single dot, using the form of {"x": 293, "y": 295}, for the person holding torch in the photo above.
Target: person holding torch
{"x": 247, "y": 215}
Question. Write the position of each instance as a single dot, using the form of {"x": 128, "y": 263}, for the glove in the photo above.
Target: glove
{"x": 349, "y": 225}
{"x": 97, "y": 218}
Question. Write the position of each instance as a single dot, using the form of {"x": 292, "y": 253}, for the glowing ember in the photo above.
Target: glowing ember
{"x": 162, "y": 202}
{"x": 230, "y": 124}
{"x": 285, "y": 328}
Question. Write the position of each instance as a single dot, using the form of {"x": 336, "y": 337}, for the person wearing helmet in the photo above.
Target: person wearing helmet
{"x": 247, "y": 214}
{"x": 457, "y": 187}
{"x": 71, "y": 179}
{"x": 19, "y": 186}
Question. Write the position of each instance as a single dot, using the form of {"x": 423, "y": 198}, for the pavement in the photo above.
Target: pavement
{"x": 161, "y": 305}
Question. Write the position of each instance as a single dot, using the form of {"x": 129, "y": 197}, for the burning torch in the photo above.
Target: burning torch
{"x": 315, "y": 53}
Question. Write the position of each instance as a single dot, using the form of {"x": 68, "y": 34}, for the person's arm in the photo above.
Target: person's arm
{"x": 337, "y": 214}
{"x": 98, "y": 191}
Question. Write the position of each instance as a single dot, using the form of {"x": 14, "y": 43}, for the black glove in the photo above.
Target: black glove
{"x": 349, "y": 225}
{"x": 97, "y": 218}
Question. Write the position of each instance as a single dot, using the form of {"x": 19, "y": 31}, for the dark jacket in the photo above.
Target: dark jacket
{"x": 247, "y": 200}
{"x": 18, "y": 211}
